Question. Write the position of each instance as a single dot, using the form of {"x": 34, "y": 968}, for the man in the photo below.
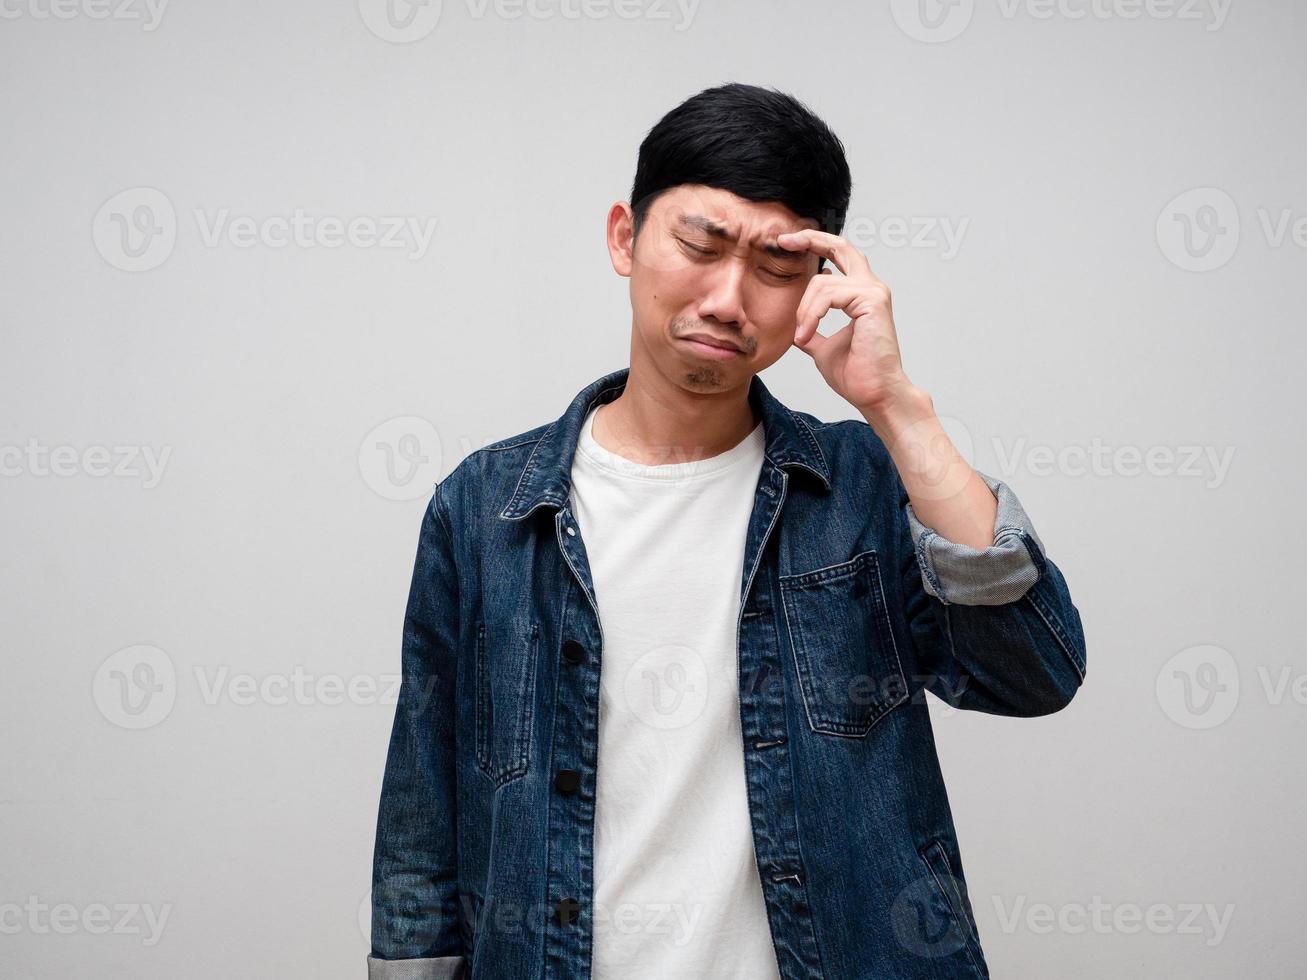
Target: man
{"x": 664, "y": 658}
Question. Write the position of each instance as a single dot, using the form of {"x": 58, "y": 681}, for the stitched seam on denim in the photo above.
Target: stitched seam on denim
{"x": 482, "y": 694}
{"x": 961, "y": 913}
{"x": 526, "y": 471}
{"x": 790, "y": 634}
{"x": 887, "y": 625}
{"x": 952, "y": 647}
{"x": 796, "y": 640}
{"x": 880, "y": 609}
{"x": 523, "y": 721}
{"x": 531, "y": 463}
{"x": 440, "y": 514}
{"x": 780, "y": 503}
{"x": 526, "y": 701}
{"x": 499, "y": 448}
{"x": 928, "y": 565}
{"x": 846, "y": 568}
{"x": 1056, "y": 629}
{"x": 973, "y": 935}
{"x": 812, "y": 441}
{"x": 1037, "y": 557}
{"x": 953, "y": 881}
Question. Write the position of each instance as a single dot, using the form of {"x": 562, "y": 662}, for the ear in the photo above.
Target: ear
{"x": 621, "y": 241}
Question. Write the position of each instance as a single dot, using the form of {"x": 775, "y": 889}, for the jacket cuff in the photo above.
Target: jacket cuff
{"x": 432, "y": 968}
{"x": 1001, "y": 573}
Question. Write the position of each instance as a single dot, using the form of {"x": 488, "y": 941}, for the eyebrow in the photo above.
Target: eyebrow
{"x": 710, "y": 227}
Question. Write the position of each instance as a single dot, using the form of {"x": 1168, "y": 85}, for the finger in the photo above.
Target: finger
{"x": 812, "y": 345}
{"x": 826, "y": 350}
{"x": 839, "y": 250}
{"x": 821, "y": 297}
{"x": 836, "y": 346}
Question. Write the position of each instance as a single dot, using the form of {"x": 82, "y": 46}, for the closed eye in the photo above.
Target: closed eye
{"x": 695, "y": 248}
{"x": 778, "y": 276}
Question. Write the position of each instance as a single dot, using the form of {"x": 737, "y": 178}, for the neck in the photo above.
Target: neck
{"x": 655, "y": 421}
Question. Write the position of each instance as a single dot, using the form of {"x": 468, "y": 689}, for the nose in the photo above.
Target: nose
{"x": 724, "y": 292}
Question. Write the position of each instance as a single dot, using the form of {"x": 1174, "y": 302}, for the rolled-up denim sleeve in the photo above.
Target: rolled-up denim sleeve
{"x": 958, "y": 574}
{"x": 437, "y": 968}
{"x": 415, "y": 893}
{"x": 994, "y": 629}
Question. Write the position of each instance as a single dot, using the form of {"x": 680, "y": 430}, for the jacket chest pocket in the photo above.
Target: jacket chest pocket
{"x": 505, "y": 697}
{"x": 844, "y": 653}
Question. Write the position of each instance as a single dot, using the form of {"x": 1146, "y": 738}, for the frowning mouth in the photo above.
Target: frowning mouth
{"x": 711, "y": 346}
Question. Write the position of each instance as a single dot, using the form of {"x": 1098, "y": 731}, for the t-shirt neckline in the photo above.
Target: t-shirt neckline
{"x": 621, "y": 466}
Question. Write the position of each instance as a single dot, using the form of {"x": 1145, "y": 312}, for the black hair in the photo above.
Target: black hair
{"x": 760, "y": 144}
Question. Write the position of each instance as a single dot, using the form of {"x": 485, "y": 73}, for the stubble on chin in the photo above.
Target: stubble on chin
{"x": 704, "y": 377}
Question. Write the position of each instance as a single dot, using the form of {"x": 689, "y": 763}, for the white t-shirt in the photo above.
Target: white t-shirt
{"x": 676, "y": 885}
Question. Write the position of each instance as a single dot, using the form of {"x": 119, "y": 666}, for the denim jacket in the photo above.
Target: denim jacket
{"x": 850, "y": 609}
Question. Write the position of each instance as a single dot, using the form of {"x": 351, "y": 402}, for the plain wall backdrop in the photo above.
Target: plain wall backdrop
{"x": 269, "y": 270}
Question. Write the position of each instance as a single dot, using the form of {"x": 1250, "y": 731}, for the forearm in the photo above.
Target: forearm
{"x": 946, "y": 493}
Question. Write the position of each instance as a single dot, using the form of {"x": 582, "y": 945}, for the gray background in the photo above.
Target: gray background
{"x": 307, "y": 395}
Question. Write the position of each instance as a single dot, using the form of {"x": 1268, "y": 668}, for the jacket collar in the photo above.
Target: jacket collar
{"x": 546, "y": 478}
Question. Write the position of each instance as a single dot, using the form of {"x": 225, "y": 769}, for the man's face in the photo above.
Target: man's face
{"x": 706, "y": 263}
